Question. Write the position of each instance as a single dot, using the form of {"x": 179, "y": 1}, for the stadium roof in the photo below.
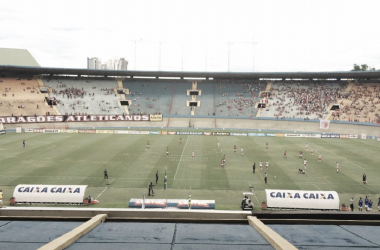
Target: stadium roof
{"x": 9, "y": 69}
{"x": 17, "y": 57}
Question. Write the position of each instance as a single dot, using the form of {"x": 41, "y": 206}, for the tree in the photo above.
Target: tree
{"x": 363, "y": 67}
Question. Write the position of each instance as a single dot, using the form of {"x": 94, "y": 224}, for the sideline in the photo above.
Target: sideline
{"x": 180, "y": 159}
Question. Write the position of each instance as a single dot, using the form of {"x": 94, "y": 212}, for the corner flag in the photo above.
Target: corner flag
{"x": 165, "y": 180}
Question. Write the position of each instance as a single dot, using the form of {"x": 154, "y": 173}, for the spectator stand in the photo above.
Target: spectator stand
{"x": 77, "y": 96}
{"x": 22, "y": 97}
{"x": 149, "y": 97}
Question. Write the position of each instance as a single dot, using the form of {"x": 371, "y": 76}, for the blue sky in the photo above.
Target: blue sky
{"x": 294, "y": 35}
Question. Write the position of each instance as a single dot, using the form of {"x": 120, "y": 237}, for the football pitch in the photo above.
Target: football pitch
{"x": 81, "y": 158}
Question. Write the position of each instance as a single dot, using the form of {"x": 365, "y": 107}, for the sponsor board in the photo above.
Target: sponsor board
{"x": 18, "y": 130}
{"x": 69, "y": 131}
{"x": 207, "y": 133}
{"x": 334, "y": 136}
{"x": 280, "y": 135}
{"x": 38, "y": 130}
{"x": 164, "y": 132}
{"x": 71, "y": 118}
{"x": 49, "y": 193}
{"x": 325, "y": 136}
{"x": 178, "y": 203}
{"x": 238, "y": 134}
{"x": 364, "y": 136}
{"x": 293, "y": 135}
{"x": 302, "y": 199}
{"x": 172, "y": 133}
{"x": 51, "y": 130}
{"x": 270, "y": 134}
{"x": 28, "y": 130}
{"x": 189, "y": 133}
{"x": 256, "y": 134}
{"x": 87, "y": 131}
{"x": 353, "y": 136}
{"x": 311, "y": 135}
{"x": 154, "y": 132}
{"x": 104, "y": 131}
{"x": 155, "y": 118}
{"x": 221, "y": 133}
{"x": 343, "y": 136}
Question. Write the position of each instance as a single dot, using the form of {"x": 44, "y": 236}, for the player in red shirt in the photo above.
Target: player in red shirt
{"x": 147, "y": 145}
{"x": 319, "y": 158}
{"x": 180, "y": 140}
{"x": 267, "y": 144}
{"x": 312, "y": 151}
{"x": 235, "y": 148}
{"x": 300, "y": 157}
{"x": 285, "y": 156}
{"x": 192, "y": 155}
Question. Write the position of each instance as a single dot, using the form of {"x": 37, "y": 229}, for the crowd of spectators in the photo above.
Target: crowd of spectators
{"x": 301, "y": 100}
{"x": 361, "y": 104}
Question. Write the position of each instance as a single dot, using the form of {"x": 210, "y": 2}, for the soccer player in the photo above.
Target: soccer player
{"x": 312, "y": 151}
{"x": 337, "y": 167}
{"x": 192, "y": 155}
{"x": 370, "y": 205}
{"x": 267, "y": 164}
{"x": 218, "y": 145}
{"x": 319, "y": 158}
{"x": 167, "y": 151}
{"x": 304, "y": 163}
{"x": 261, "y": 165}
{"x": 378, "y": 205}
{"x": 267, "y": 145}
{"x": 180, "y": 140}
{"x": 366, "y": 203}
{"x": 254, "y": 170}
{"x": 241, "y": 151}
{"x": 364, "y": 179}
{"x": 307, "y": 145}
{"x": 223, "y": 160}
{"x": 265, "y": 178}
{"x": 352, "y": 204}
{"x": 285, "y": 156}
{"x": 300, "y": 157}
{"x": 147, "y": 145}
{"x": 360, "y": 204}
{"x": 156, "y": 177}
{"x": 105, "y": 174}
{"x": 23, "y": 143}
{"x": 235, "y": 148}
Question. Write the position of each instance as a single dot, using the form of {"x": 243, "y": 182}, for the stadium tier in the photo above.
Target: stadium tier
{"x": 23, "y": 97}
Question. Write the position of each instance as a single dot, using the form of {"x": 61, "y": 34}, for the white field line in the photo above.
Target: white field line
{"x": 104, "y": 190}
{"x": 254, "y": 194}
{"x": 341, "y": 157}
{"x": 183, "y": 150}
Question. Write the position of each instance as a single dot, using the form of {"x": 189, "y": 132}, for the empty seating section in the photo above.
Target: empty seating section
{"x": 301, "y": 100}
{"x": 85, "y": 96}
{"x": 207, "y": 100}
{"x": 180, "y": 99}
{"x": 237, "y": 98}
{"x": 361, "y": 105}
{"x": 22, "y": 97}
{"x": 149, "y": 97}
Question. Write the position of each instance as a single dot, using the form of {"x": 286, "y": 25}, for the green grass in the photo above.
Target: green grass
{"x": 81, "y": 159}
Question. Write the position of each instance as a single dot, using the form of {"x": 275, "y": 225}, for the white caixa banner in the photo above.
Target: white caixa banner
{"x": 49, "y": 193}
{"x": 299, "y": 199}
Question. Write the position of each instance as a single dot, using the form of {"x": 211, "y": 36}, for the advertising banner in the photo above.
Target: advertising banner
{"x": 325, "y": 136}
{"x": 334, "y": 136}
{"x": 49, "y": 193}
{"x": 18, "y": 129}
{"x": 28, "y": 130}
{"x": 71, "y": 118}
{"x": 154, "y": 132}
{"x": 172, "y": 133}
{"x": 256, "y": 134}
{"x": 238, "y": 134}
{"x": 207, "y": 133}
{"x": 221, "y": 133}
{"x": 155, "y": 118}
{"x": 311, "y": 135}
{"x": 104, "y": 131}
{"x": 51, "y": 131}
{"x": 87, "y": 131}
{"x": 299, "y": 199}
{"x": 364, "y": 136}
{"x": 270, "y": 134}
{"x": 293, "y": 135}
{"x": 178, "y": 203}
{"x": 353, "y": 136}
{"x": 189, "y": 133}
{"x": 69, "y": 131}
{"x": 280, "y": 135}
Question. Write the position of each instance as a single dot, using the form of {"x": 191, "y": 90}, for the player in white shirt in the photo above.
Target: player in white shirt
{"x": 192, "y": 155}
{"x": 307, "y": 145}
{"x": 147, "y": 145}
{"x": 167, "y": 151}
{"x": 319, "y": 158}
{"x": 312, "y": 151}
{"x": 218, "y": 145}
{"x": 261, "y": 165}
{"x": 304, "y": 163}
{"x": 267, "y": 165}
{"x": 241, "y": 151}
{"x": 337, "y": 167}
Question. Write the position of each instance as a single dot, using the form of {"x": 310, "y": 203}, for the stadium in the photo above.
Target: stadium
{"x": 182, "y": 145}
